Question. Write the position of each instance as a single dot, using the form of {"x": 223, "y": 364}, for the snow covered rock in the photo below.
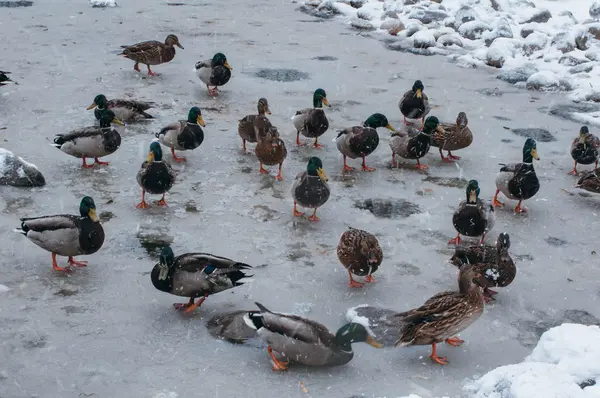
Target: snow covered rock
{"x": 393, "y": 26}
{"x": 361, "y": 24}
{"x": 423, "y": 39}
{"x": 500, "y": 28}
{"x": 520, "y": 74}
{"x": 564, "y": 41}
{"x": 450, "y": 39}
{"x": 103, "y": 3}
{"x": 595, "y": 10}
{"x": 543, "y": 81}
{"x": 501, "y": 50}
{"x": 536, "y": 15}
{"x": 534, "y": 42}
{"x": 17, "y": 172}
{"x": 594, "y": 29}
{"x": 465, "y": 14}
{"x": 581, "y": 39}
{"x": 473, "y": 30}
{"x": 428, "y": 16}
{"x": 413, "y": 28}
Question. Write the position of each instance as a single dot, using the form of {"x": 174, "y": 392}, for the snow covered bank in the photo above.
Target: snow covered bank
{"x": 549, "y": 45}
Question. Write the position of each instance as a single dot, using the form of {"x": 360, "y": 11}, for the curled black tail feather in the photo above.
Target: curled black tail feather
{"x": 59, "y": 140}
{"x": 146, "y": 115}
{"x": 256, "y": 319}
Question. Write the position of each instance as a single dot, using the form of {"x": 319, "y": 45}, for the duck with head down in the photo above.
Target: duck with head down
{"x": 585, "y": 149}
{"x": 214, "y": 72}
{"x": 310, "y": 189}
{"x": 184, "y": 135}
{"x": 473, "y": 217}
{"x": 360, "y": 253}
{"x": 155, "y": 176}
{"x": 151, "y": 52}
{"x": 312, "y": 122}
{"x": 414, "y": 104}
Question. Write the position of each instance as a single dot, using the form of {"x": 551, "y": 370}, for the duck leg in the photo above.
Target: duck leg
{"x": 182, "y": 306}
{"x": 482, "y": 239}
{"x": 162, "y": 202}
{"x": 364, "y": 165}
{"x": 369, "y": 279}
{"x": 75, "y": 263}
{"x": 314, "y": 217}
{"x": 354, "y": 283}
{"x": 346, "y": 167}
{"x": 137, "y": 67}
{"x": 520, "y": 209}
{"x": 195, "y": 305}
{"x": 496, "y": 202}
{"x": 85, "y": 165}
{"x": 451, "y": 156}
{"x": 298, "y": 143}
{"x": 435, "y": 358}
{"x": 97, "y": 161}
{"x": 175, "y": 157}
{"x": 455, "y": 241}
{"x": 574, "y": 171}
{"x": 454, "y": 341}
{"x": 489, "y": 293}
{"x": 142, "y": 204}
{"x": 279, "y": 177}
{"x": 394, "y": 163}
{"x": 421, "y": 166}
{"x": 316, "y": 144}
{"x": 150, "y": 73}
{"x": 244, "y": 144}
{"x": 296, "y": 212}
{"x": 55, "y": 264}
{"x": 262, "y": 170}
{"x": 444, "y": 158}
{"x": 277, "y": 364}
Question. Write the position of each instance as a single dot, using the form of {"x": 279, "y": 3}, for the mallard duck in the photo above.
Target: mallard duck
{"x": 214, "y": 72}
{"x": 271, "y": 150}
{"x": 66, "y": 235}
{"x": 414, "y": 104}
{"x": 312, "y": 122}
{"x": 151, "y": 52}
{"x": 452, "y": 137}
{"x": 196, "y": 275}
{"x": 357, "y": 141}
{"x": 590, "y": 181}
{"x": 183, "y": 135}
{"x": 492, "y": 262}
{"x": 360, "y": 253}
{"x": 518, "y": 181}
{"x": 584, "y": 149}
{"x": 473, "y": 217}
{"x": 301, "y": 340}
{"x": 246, "y": 124}
{"x": 155, "y": 176}
{"x": 232, "y": 327}
{"x": 412, "y": 143}
{"x": 125, "y": 110}
{"x": 310, "y": 189}
{"x": 91, "y": 142}
{"x": 5, "y": 80}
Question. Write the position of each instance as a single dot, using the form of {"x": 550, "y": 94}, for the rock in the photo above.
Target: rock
{"x": 495, "y": 5}
{"x": 17, "y": 172}
{"x": 390, "y": 14}
{"x": 543, "y": 81}
{"x": 464, "y": 14}
{"x": 450, "y": 39}
{"x": 423, "y": 39}
{"x": 500, "y": 29}
{"x": 361, "y": 24}
{"x": 594, "y": 30}
{"x": 570, "y": 60}
{"x": 525, "y": 32}
{"x": 569, "y": 15}
{"x": 534, "y": 42}
{"x": 593, "y": 96}
{"x": 539, "y": 16}
{"x": 473, "y": 30}
{"x": 442, "y": 31}
{"x": 365, "y": 15}
{"x": 393, "y": 26}
{"x": 410, "y": 2}
{"x": 500, "y": 51}
{"x": 517, "y": 75}
{"x": 582, "y": 68}
{"x": 357, "y": 3}
{"x": 595, "y": 10}
{"x": 564, "y": 41}
{"x": 581, "y": 40}
{"x": 592, "y": 55}
{"x": 412, "y": 29}
{"x": 428, "y": 16}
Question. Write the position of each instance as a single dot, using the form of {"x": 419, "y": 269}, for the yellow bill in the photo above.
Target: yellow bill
{"x": 372, "y": 342}
{"x": 118, "y": 121}
{"x": 150, "y": 157}
{"x": 226, "y": 64}
{"x": 200, "y": 121}
{"x": 389, "y": 127}
{"x": 535, "y": 154}
{"x": 322, "y": 174}
{"x": 93, "y": 216}
{"x": 92, "y": 106}
{"x": 325, "y": 102}
{"x": 419, "y": 93}
{"x": 473, "y": 197}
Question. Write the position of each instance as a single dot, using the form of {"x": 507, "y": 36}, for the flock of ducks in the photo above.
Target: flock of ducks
{"x": 293, "y": 338}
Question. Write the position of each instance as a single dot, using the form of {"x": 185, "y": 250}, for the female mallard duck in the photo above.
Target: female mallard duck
{"x": 155, "y": 176}
{"x": 452, "y": 137}
{"x": 312, "y": 122}
{"x": 183, "y": 135}
{"x": 196, "y": 275}
{"x": 360, "y": 253}
{"x": 91, "y": 142}
{"x": 310, "y": 189}
{"x": 300, "y": 340}
{"x": 413, "y": 144}
{"x": 125, "y": 110}
{"x": 4, "y": 80}
{"x": 65, "y": 234}
{"x": 584, "y": 149}
{"x": 518, "y": 181}
{"x": 493, "y": 263}
{"x": 214, "y": 72}
{"x": 590, "y": 181}
{"x": 473, "y": 217}
{"x": 151, "y": 52}
{"x": 246, "y": 124}
{"x": 271, "y": 150}
{"x": 414, "y": 104}
{"x": 354, "y": 142}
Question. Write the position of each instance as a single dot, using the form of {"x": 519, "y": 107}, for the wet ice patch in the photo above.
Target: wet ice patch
{"x": 388, "y": 208}
{"x": 541, "y": 135}
{"x": 282, "y": 75}
{"x": 13, "y": 4}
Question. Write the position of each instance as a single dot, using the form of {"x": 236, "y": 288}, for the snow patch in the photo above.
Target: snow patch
{"x": 352, "y": 316}
{"x": 4, "y": 289}
{"x": 103, "y": 3}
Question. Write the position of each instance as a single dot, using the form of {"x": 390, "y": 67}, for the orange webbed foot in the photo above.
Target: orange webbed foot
{"x": 347, "y": 168}
{"x": 75, "y": 263}
{"x": 497, "y": 203}
{"x": 365, "y": 168}
{"x": 314, "y": 218}
{"x": 454, "y": 341}
{"x": 369, "y": 279}
{"x": 354, "y": 283}
{"x": 455, "y": 241}
{"x": 142, "y": 205}
{"x": 161, "y": 202}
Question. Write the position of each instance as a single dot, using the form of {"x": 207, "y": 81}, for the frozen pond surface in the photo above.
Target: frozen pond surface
{"x": 105, "y": 330}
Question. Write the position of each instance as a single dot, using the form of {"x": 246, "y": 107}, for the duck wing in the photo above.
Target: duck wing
{"x": 49, "y": 223}
{"x": 85, "y": 132}
{"x": 139, "y": 106}
{"x": 142, "y": 49}
{"x": 193, "y": 262}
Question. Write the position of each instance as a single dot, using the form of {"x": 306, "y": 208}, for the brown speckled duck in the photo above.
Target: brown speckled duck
{"x": 246, "y": 124}
{"x": 271, "y": 150}
{"x": 151, "y": 52}
{"x": 585, "y": 149}
{"x": 590, "y": 181}
{"x": 360, "y": 253}
{"x": 452, "y": 137}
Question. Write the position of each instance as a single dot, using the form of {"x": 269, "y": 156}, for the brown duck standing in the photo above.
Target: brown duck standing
{"x": 246, "y": 124}
{"x": 360, "y": 253}
{"x": 271, "y": 150}
{"x": 151, "y": 52}
{"x": 452, "y": 137}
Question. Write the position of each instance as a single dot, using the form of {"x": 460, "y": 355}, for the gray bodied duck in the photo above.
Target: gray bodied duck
{"x": 184, "y": 135}
{"x": 518, "y": 181}
{"x": 196, "y": 275}
{"x": 65, "y": 234}
{"x": 413, "y": 144}
{"x": 360, "y": 141}
{"x": 590, "y": 181}
{"x": 155, "y": 176}
{"x": 214, "y": 72}
{"x": 414, "y": 104}
{"x": 91, "y": 142}
{"x": 291, "y": 338}
{"x": 452, "y": 137}
{"x": 246, "y": 124}
{"x": 310, "y": 188}
{"x": 585, "y": 149}
{"x": 271, "y": 150}
{"x": 312, "y": 122}
{"x": 473, "y": 217}
{"x": 360, "y": 253}
{"x": 151, "y": 52}
{"x": 125, "y": 110}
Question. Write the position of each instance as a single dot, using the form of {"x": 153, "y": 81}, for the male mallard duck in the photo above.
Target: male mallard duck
{"x": 151, "y": 52}
{"x": 414, "y": 104}
{"x": 65, "y": 234}
{"x": 304, "y": 341}
{"x": 413, "y": 144}
{"x": 196, "y": 275}
{"x": 452, "y": 137}
{"x": 492, "y": 262}
{"x": 584, "y": 149}
{"x": 312, "y": 122}
{"x": 473, "y": 217}
{"x": 518, "y": 181}
{"x": 183, "y": 135}
{"x": 590, "y": 181}
{"x": 360, "y": 253}
{"x": 232, "y": 327}
{"x": 125, "y": 110}
{"x": 4, "y": 80}
{"x": 310, "y": 188}
{"x": 246, "y": 124}
{"x": 214, "y": 72}
{"x": 155, "y": 176}
{"x": 91, "y": 142}
{"x": 356, "y": 141}
{"x": 271, "y": 150}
